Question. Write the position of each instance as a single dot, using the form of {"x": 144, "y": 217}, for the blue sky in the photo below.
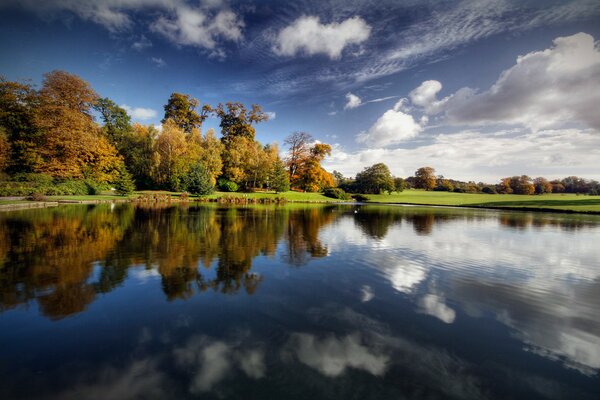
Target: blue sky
{"x": 476, "y": 89}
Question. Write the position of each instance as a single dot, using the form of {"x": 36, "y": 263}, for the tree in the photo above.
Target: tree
{"x": 399, "y": 184}
{"x": 237, "y": 121}
{"x": 199, "y": 180}
{"x": 542, "y": 185}
{"x": 117, "y": 123}
{"x": 181, "y": 109}
{"x": 71, "y": 145}
{"x": 310, "y": 174}
{"x": 124, "y": 184}
{"x": 279, "y": 179}
{"x": 375, "y": 179}
{"x": 18, "y": 103}
{"x": 425, "y": 178}
{"x": 170, "y": 148}
{"x": 517, "y": 185}
{"x": 298, "y": 152}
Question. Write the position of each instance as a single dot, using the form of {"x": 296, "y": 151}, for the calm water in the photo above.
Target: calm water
{"x": 297, "y": 302}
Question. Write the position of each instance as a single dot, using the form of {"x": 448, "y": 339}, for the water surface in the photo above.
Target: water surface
{"x": 296, "y": 302}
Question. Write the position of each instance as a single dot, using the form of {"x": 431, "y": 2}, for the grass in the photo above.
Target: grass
{"x": 547, "y": 202}
{"x": 563, "y": 202}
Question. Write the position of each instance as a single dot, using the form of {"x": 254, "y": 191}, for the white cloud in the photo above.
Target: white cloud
{"x": 308, "y": 35}
{"x": 141, "y": 44}
{"x": 139, "y": 113}
{"x": 158, "y": 61}
{"x": 198, "y": 27}
{"x": 271, "y": 114}
{"x": 352, "y": 101}
{"x": 477, "y": 155}
{"x": 434, "y": 305}
{"x": 544, "y": 89}
{"x": 202, "y": 26}
{"x": 393, "y": 127}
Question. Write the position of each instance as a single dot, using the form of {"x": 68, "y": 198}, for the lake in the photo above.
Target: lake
{"x": 298, "y": 301}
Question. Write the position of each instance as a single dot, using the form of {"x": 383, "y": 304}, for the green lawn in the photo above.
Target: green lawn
{"x": 289, "y": 196}
{"x": 569, "y": 202}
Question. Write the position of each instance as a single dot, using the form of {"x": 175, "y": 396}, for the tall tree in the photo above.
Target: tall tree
{"x": 298, "y": 152}
{"x": 237, "y": 120}
{"x": 72, "y": 145}
{"x": 310, "y": 175}
{"x": 181, "y": 109}
{"x": 542, "y": 185}
{"x": 425, "y": 178}
{"x": 279, "y": 179}
{"x": 18, "y": 102}
{"x": 171, "y": 150}
{"x": 117, "y": 123}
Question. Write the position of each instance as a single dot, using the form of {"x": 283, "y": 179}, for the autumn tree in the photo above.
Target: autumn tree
{"x": 207, "y": 149}
{"x": 542, "y": 185}
{"x": 171, "y": 150}
{"x": 375, "y": 179}
{"x": 311, "y": 176}
{"x": 71, "y": 143}
{"x": 298, "y": 152}
{"x": 425, "y": 178}
{"x": 181, "y": 109}
{"x": 517, "y": 185}
{"x": 140, "y": 156}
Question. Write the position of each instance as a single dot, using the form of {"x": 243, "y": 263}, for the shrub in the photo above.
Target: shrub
{"x": 37, "y": 197}
{"x": 227, "y": 185}
{"x": 184, "y": 196}
{"x": 360, "y": 197}
{"x": 124, "y": 184}
{"x": 336, "y": 193}
{"x": 198, "y": 180}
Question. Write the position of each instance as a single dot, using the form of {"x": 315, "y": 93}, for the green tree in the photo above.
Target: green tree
{"x": 181, "y": 109}
{"x": 399, "y": 184}
{"x": 279, "y": 179}
{"x": 425, "y": 178}
{"x": 237, "y": 121}
{"x": 117, "y": 123}
{"x": 124, "y": 184}
{"x": 199, "y": 180}
{"x": 375, "y": 179}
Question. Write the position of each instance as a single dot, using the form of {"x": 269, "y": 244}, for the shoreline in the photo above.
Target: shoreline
{"x": 26, "y": 204}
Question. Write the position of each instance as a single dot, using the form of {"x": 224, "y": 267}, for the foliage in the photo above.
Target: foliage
{"x": 374, "y": 179}
{"x": 227, "y": 185}
{"x": 517, "y": 185}
{"x": 337, "y": 193}
{"x": 237, "y": 120}
{"x": 181, "y": 109}
{"x": 124, "y": 185}
{"x": 37, "y": 197}
{"x": 198, "y": 180}
{"x": 425, "y": 178}
{"x": 399, "y": 184}
{"x": 279, "y": 179}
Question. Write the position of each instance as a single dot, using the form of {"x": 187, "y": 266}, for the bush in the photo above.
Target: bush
{"x": 359, "y": 197}
{"x": 198, "y": 180}
{"x": 227, "y": 185}
{"x": 336, "y": 193}
{"x": 37, "y": 197}
{"x": 124, "y": 184}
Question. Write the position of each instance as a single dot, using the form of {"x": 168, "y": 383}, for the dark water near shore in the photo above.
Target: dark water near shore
{"x": 296, "y": 302}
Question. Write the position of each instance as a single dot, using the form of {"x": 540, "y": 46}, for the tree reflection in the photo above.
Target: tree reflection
{"x": 62, "y": 257}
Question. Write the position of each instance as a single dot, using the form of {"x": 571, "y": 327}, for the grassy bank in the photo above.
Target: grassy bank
{"x": 547, "y": 202}
{"x": 550, "y": 202}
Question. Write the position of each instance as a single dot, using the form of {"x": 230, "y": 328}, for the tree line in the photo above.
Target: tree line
{"x": 50, "y": 141}
{"x": 378, "y": 179}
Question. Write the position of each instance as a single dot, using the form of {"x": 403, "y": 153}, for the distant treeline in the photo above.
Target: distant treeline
{"x": 378, "y": 179}
{"x": 50, "y": 143}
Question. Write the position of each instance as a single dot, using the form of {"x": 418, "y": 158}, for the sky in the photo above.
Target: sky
{"x": 477, "y": 90}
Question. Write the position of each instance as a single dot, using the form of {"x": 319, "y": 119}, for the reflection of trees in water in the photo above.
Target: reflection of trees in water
{"x": 302, "y": 234}
{"x": 531, "y": 220}
{"x": 50, "y": 254}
